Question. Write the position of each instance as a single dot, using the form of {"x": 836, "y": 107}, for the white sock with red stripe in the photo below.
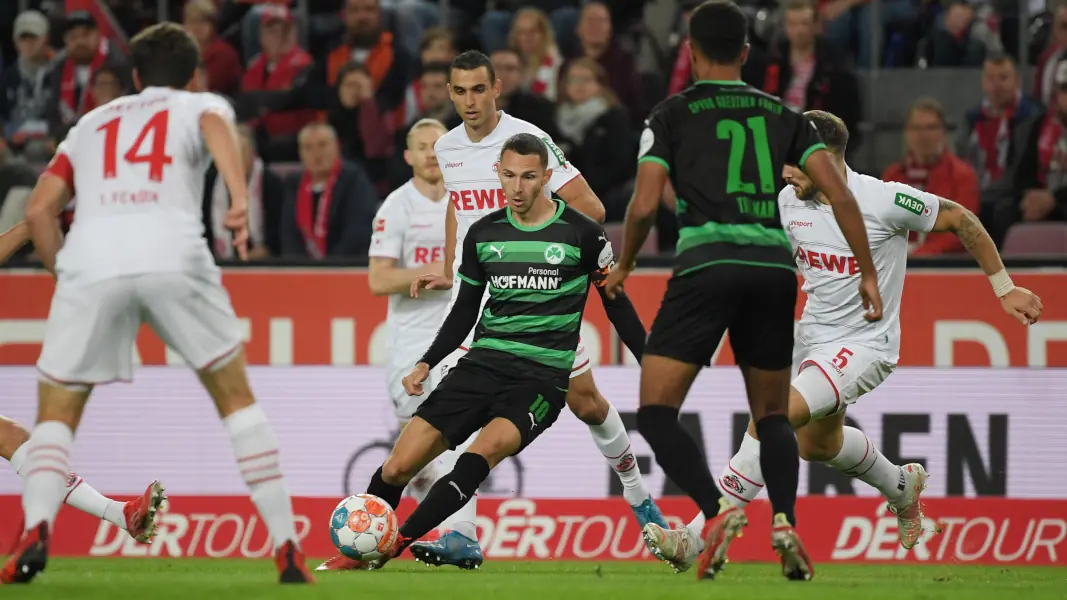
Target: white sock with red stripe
{"x": 614, "y": 443}
{"x": 256, "y": 449}
{"x": 860, "y": 458}
{"x": 742, "y": 479}
{"x": 79, "y": 494}
{"x": 46, "y": 468}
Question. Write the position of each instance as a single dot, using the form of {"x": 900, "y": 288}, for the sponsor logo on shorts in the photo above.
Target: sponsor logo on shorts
{"x": 733, "y": 483}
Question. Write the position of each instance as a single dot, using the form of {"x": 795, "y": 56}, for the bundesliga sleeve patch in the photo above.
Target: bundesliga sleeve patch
{"x": 912, "y": 205}
{"x": 606, "y": 255}
{"x": 379, "y": 225}
{"x": 647, "y": 139}
{"x": 554, "y": 149}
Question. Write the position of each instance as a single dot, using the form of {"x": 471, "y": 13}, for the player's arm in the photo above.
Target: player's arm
{"x": 47, "y": 200}
{"x": 569, "y": 184}
{"x": 464, "y": 313}
{"x": 385, "y": 278}
{"x": 13, "y": 239}
{"x": 598, "y": 258}
{"x": 1018, "y": 302}
{"x": 450, "y": 241}
{"x": 220, "y": 136}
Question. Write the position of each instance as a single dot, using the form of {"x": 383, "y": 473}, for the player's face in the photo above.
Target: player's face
{"x": 420, "y": 154}
{"x": 473, "y": 95}
{"x": 803, "y": 186}
{"x": 523, "y": 179}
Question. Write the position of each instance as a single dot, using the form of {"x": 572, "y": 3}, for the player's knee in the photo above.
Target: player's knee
{"x": 817, "y": 448}
{"x": 12, "y": 435}
{"x": 228, "y": 387}
{"x": 398, "y": 471}
{"x": 587, "y": 404}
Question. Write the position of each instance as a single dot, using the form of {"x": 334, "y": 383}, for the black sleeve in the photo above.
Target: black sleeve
{"x": 457, "y": 325}
{"x": 470, "y": 268}
{"x": 598, "y": 258}
{"x": 804, "y": 139}
{"x": 655, "y": 145}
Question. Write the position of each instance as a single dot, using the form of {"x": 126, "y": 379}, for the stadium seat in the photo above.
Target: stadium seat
{"x": 1036, "y": 238}
{"x": 614, "y": 231}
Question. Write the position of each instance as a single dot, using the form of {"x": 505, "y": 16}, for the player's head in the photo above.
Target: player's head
{"x": 164, "y": 55}
{"x": 523, "y": 171}
{"x": 833, "y": 133}
{"x": 473, "y": 87}
{"x": 419, "y": 154}
{"x": 718, "y": 33}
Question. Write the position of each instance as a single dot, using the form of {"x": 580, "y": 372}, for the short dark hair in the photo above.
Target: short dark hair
{"x": 164, "y": 55}
{"x": 831, "y": 129}
{"x": 526, "y": 144}
{"x": 719, "y": 30}
{"x": 350, "y": 67}
{"x": 436, "y": 67}
{"x": 472, "y": 60}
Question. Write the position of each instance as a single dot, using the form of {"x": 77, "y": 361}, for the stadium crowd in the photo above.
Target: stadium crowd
{"x": 371, "y": 68}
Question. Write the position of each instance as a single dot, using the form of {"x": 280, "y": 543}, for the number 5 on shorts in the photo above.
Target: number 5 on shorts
{"x": 842, "y": 358}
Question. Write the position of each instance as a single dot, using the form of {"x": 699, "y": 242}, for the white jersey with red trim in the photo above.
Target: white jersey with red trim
{"x": 834, "y": 311}
{"x": 470, "y": 172}
{"x": 137, "y": 165}
{"x": 410, "y": 228}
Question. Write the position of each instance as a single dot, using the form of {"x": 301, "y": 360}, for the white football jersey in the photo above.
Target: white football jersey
{"x": 410, "y": 228}
{"x": 137, "y": 166}
{"x": 470, "y": 172}
{"x": 834, "y": 311}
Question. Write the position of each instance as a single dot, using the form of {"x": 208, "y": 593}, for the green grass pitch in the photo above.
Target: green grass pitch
{"x": 203, "y": 579}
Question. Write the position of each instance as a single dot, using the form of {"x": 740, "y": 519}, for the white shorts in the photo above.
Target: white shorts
{"x": 92, "y": 327}
{"x": 404, "y": 406}
{"x": 832, "y": 376}
{"x": 581, "y": 363}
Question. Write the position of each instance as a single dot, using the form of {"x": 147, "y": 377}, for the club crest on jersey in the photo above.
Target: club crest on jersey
{"x": 912, "y": 205}
{"x": 554, "y": 254}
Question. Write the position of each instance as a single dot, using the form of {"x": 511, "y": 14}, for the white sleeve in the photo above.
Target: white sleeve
{"x": 390, "y": 226}
{"x": 563, "y": 172}
{"x": 904, "y": 208}
{"x": 208, "y": 102}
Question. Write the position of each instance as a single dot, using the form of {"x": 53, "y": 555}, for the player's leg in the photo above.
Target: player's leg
{"x": 761, "y": 335}
{"x": 688, "y": 328}
{"x": 613, "y": 441}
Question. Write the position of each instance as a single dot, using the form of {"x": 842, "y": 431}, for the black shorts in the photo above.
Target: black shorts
{"x": 471, "y": 395}
{"x": 756, "y": 304}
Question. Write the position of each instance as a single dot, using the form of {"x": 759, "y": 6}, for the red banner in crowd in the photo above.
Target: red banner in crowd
{"x": 329, "y": 317}
{"x": 835, "y": 529}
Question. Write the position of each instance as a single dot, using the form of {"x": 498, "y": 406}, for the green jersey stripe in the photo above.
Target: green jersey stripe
{"x": 469, "y": 280}
{"x": 746, "y": 234}
{"x": 655, "y": 159}
{"x": 531, "y": 323}
{"x": 578, "y": 285}
{"x": 553, "y": 253}
{"x": 558, "y": 359}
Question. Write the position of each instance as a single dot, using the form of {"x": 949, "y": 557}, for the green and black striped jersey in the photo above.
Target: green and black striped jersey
{"x": 538, "y": 280}
{"x": 724, "y": 144}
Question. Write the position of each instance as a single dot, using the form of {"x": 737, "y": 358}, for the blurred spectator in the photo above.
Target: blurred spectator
{"x": 367, "y": 42}
{"x": 437, "y": 46}
{"x": 365, "y": 132}
{"x": 533, "y": 38}
{"x": 107, "y": 85}
{"x": 266, "y": 195}
{"x": 220, "y": 59}
{"x": 517, "y": 102}
{"x": 1045, "y": 73}
{"x": 70, "y": 78}
{"x": 329, "y": 213}
{"x": 595, "y": 133}
{"x": 433, "y": 101}
{"x": 1039, "y": 177}
{"x": 957, "y": 40}
{"x": 806, "y": 73}
{"x": 498, "y": 22}
{"x": 988, "y": 136}
{"x": 23, "y": 99}
{"x": 930, "y": 165}
{"x": 848, "y": 25}
{"x": 277, "y": 68}
{"x": 596, "y": 40}
{"x": 16, "y": 183}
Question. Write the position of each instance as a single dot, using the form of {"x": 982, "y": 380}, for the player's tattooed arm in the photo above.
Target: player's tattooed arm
{"x": 953, "y": 217}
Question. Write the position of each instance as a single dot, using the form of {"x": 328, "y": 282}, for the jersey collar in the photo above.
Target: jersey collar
{"x": 551, "y": 220}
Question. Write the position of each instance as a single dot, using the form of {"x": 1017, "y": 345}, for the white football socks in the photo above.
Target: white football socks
{"x": 614, "y": 443}
{"x": 860, "y": 458}
{"x": 463, "y": 521}
{"x": 46, "y": 469}
{"x": 256, "y": 449}
{"x": 742, "y": 479}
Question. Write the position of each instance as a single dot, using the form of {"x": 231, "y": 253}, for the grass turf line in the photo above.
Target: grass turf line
{"x": 204, "y": 579}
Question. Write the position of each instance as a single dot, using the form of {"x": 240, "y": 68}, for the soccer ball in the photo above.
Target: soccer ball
{"x": 363, "y": 527}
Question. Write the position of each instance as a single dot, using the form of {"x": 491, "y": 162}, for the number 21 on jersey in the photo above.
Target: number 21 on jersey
{"x": 156, "y": 156}
{"x": 738, "y": 134}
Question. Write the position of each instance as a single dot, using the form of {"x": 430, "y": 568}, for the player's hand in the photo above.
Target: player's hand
{"x": 430, "y": 281}
{"x": 414, "y": 379}
{"x": 872, "y": 300}
{"x": 237, "y": 222}
{"x": 613, "y": 282}
{"x": 1023, "y": 305}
